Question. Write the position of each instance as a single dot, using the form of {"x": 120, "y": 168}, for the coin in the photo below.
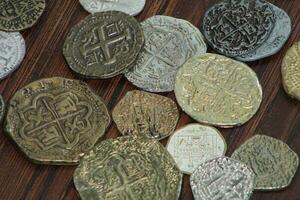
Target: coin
{"x": 19, "y": 15}
{"x": 280, "y": 34}
{"x": 12, "y": 52}
{"x": 131, "y": 7}
{"x": 194, "y": 144}
{"x": 234, "y": 27}
{"x": 2, "y": 108}
{"x": 222, "y": 178}
{"x": 169, "y": 42}
{"x": 128, "y": 168}
{"x": 291, "y": 71}
{"x": 56, "y": 120}
{"x": 146, "y": 113}
{"x": 272, "y": 161}
{"x": 217, "y": 90}
{"x": 103, "y": 45}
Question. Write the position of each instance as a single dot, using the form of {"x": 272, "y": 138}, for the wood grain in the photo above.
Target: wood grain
{"x": 279, "y": 116}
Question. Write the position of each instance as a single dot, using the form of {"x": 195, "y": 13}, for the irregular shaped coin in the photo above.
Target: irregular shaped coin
{"x": 217, "y": 90}
{"x": 18, "y": 15}
{"x": 12, "y": 52}
{"x": 128, "y": 168}
{"x": 291, "y": 71}
{"x": 146, "y": 113}
{"x": 272, "y": 161}
{"x": 194, "y": 144}
{"x": 169, "y": 42}
{"x": 103, "y": 45}
{"x": 56, "y": 120}
{"x": 222, "y": 178}
{"x": 235, "y": 27}
{"x": 2, "y": 108}
{"x": 131, "y": 7}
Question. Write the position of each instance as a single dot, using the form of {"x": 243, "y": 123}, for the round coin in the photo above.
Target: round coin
{"x": 2, "y": 108}
{"x": 128, "y": 168}
{"x": 234, "y": 27}
{"x": 194, "y": 144}
{"x": 272, "y": 161}
{"x": 20, "y": 15}
{"x": 131, "y": 7}
{"x": 56, "y": 120}
{"x": 169, "y": 42}
{"x": 217, "y": 90}
{"x": 12, "y": 52}
{"x": 222, "y": 178}
{"x": 291, "y": 71}
{"x": 145, "y": 113}
{"x": 103, "y": 45}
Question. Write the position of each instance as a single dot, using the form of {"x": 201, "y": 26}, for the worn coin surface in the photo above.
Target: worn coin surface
{"x": 128, "y": 168}
{"x": 291, "y": 71}
{"x": 280, "y": 34}
{"x": 217, "y": 90}
{"x": 169, "y": 42}
{"x": 194, "y": 144}
{"x": 145, "y": 113}
{"x": 18, "y": 15}
{"x": 222, "y": 178}
{"x": 2, "y": 108}
{"x": 12, "y": 52}
{"x": 56, "y": 120}
{"x": 234, "y": 27}
{"x": 103, "y": 45}
{"x": 131, "y": 7}
{"x": 272, "y": 161}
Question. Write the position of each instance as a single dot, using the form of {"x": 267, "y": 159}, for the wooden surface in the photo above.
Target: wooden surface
{"x": 279, "y": 116}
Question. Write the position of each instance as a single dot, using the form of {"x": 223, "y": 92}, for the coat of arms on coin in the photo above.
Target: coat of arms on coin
{"x": 56, "y": 120}
{"x": 272, "y": 161}
{"x": 103, "y": 45}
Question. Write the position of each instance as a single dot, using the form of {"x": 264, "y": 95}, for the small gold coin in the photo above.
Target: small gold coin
{"x": 217, "y": 90}
{"x": 56, "y": 120}
{"x": 126, "y": 168}
{"x": 146, "y": 113}
{"x": 291, "y": 71}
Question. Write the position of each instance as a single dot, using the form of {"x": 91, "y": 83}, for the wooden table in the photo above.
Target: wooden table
{"x": 279, "y": 115}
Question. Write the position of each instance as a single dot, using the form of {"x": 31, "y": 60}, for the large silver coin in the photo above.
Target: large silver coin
{"x": 222, "y": 179}
{"x": 2, "y": 108}
{"x": 169, "y": 42}
{"x": 278, "y": 37}
{"x": 131, "y": 7}
{"x": 12, "y": 52}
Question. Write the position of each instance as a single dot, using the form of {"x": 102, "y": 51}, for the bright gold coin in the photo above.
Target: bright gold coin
{"x": 217, "y": 90}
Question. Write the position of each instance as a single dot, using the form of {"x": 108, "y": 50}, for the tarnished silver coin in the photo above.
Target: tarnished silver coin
{"x": 131, "y": 7}
{"x": 2, "y": 108}
{"x": 12, "y": 52}
{"x": 222, "y": 179}
{"x": 194, "y": 144}
{"x": 278, "y": 37}
{"x": 169, "y": 42}
{"x": 236, "y": 27}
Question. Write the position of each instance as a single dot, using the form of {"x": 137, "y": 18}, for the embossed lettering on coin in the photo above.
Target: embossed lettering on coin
{"x": 217, "y": 90}
{"x": 146, "y": 113}
{"x": 272, "y": 161}
{"x": 2, "y": 108}
{"x": 128, "y": 168}
{"x": 169, "y": 42}
{"x": 56, "y": 120}
{"x": 222, "y": 178}
{"x": 103, "y": 45}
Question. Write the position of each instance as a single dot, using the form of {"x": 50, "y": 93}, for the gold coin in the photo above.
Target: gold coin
{"x": 291, "y": 71}
{"x": 128, "y": 167}
{"x": 56, "y": 120}
{"x": 146, "y": 113}
{"x": 217, "y": 90}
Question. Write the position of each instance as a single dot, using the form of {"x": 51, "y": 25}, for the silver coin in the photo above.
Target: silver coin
{"x": 222, "y": 179}
{"x": 169, "y": 42}
{"x": 2, "y": 108}
{"x": 131, "y": 7}
{"x": 12, "y": 52}
{"x": 278, "y": 37}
